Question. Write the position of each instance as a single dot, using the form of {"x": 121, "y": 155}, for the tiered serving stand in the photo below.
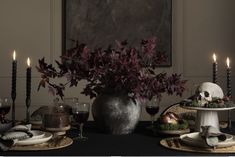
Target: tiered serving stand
{"x": 205, "y": 116}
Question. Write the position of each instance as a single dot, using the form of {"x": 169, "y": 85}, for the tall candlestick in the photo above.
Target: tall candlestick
{"x": 229, "y": 90}
{"x": 229, "y": 86}
{"x": 13, "y": 88}
{"x": 28, "y": 90}
{"x": 215, "y": 69}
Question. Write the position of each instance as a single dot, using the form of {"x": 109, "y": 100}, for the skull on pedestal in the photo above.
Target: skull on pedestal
{"x": 206, "y": 91}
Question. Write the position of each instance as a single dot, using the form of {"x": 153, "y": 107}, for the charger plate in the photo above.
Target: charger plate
{"x": 178, "y": 145}
{"x": 61, "y": 142}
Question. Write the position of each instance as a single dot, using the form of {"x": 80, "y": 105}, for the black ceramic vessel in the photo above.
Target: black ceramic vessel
{"x": 116, "y": 113}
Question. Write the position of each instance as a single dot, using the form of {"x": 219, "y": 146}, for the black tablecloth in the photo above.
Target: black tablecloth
{"x": 140, "y": 143}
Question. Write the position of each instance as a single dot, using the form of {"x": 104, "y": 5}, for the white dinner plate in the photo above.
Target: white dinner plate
{"x": 35, "y": 140}
{"x": 194, "y": 139}
{"x": 37, "y": 134}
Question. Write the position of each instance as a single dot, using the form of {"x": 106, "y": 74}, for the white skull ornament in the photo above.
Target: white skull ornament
{"x": 208, "y": 90}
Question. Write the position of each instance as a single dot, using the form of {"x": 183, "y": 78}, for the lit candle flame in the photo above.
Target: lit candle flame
{"x": 228, "y": 62}
{"x": 28, "y": 62}
{"x": 14, "y": 55}
{"x": 214, "y": 57}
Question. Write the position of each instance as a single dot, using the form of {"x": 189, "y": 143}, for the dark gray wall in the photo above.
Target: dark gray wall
{"x": 100, "y": 22}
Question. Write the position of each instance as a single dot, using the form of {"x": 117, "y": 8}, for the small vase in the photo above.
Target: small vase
{"x": 116, "y": 113}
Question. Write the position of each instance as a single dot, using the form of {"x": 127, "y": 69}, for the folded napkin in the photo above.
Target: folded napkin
{"x": 9, "y": 138}
{"x": 212, "y": 135}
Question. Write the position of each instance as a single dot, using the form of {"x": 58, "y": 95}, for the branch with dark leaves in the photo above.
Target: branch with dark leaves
{"x": 123, "y": 68}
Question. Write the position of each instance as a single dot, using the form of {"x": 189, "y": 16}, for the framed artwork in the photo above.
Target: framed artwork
{"x": 98, "y": 23}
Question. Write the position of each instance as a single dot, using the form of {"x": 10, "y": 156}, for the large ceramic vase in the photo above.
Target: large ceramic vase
{"x": 116, "y": 113}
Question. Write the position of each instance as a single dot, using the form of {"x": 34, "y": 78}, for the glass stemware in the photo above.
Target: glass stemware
{"x": 152, "y": 108}
{"x": 5, "y": 107}
{"x": 80, "y": 114}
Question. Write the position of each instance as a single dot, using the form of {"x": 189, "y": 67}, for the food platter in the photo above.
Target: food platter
{"x": 173, "y": 132}
{"x": 207, "y": 109}
{"x": 171, "y": 123}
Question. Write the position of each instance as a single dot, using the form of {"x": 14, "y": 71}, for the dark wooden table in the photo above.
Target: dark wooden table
{"x": 140, "y": 143}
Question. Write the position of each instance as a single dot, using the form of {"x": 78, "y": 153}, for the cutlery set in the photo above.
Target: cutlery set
{"x": 173, "y": 142}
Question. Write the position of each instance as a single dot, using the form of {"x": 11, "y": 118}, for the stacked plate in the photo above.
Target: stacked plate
{"x": 37, "y": 138}
{"x": 194, "y": 139}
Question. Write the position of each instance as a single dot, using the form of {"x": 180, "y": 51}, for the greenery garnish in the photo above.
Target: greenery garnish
{"x": 215, "y": 103}
{"x": 182, "y": 125}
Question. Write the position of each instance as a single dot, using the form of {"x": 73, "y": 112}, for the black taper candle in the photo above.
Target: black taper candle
{"x": 229, "y": 91}
{"x": 13, "y": 87}
{"x": 28, "y": 91}
{"x": 229, "y": 86}
{"x": 28, "y": 83}
{"x": 215, "y": 69}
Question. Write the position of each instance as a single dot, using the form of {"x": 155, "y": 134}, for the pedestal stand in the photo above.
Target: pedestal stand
{"x": 207, "y": 116}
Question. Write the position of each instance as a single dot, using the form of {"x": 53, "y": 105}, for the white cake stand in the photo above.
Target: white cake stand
{"x": 207, "y": 116}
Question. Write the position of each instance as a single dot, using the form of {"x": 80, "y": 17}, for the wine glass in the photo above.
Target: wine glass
{"x": 80, "y": 114}
{"x": 152, "y": 108}
{"x": 5, "y": 107}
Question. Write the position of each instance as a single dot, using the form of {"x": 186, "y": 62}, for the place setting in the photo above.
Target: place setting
{"x": 207, "y": 101}
{"x": 209, "y": 140}
{"x": 44, "y": 129}
{"x": 24, "y": 136}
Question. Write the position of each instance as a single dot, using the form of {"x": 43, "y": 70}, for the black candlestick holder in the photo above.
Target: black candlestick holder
{"x": 28, "y": 102}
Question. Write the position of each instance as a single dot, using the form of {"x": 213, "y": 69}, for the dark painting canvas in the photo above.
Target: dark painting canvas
{"x": 99, "y": 23}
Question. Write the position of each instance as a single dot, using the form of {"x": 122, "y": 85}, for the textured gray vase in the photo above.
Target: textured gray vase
{"x": 116, "y": 113}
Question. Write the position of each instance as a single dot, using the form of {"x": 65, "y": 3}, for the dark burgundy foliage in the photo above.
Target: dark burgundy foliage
{"x": 121, "y": 69}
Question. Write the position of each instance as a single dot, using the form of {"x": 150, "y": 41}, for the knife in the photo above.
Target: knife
{"x": 176, "y": 142}
{"x": 168, "y": 141}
